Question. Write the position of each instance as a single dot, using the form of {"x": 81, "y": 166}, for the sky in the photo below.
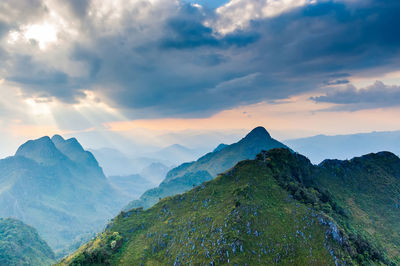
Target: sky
{"x": 143, "y": 74}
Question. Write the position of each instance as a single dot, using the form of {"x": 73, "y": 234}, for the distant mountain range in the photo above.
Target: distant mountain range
{"x": 116, "y": 163}
{"x": 187, "y": 175}
{"x": 155, "y": 172}
{"x": 21, "y": 245}
{"x": 276, "y": 209}
{"x": 131, "y": 186}
{"x": 177, "y": 154}
{"x": 321, "y": 147}
{"x": 59, "y": 188}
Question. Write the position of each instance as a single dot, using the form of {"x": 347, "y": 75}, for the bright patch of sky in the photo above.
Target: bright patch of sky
{"x": 208, "y": 3}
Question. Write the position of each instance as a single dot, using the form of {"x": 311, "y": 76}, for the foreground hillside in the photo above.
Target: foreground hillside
{"x": 270, "y": 210}
{"x": 187, "y": 175}
{"x": 59, "y": 188}
{"x": 369, "y": 186}
{"x": 20, "y": 245}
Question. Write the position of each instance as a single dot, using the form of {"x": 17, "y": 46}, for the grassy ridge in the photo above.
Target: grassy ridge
{"x": 268, "y": 210}
{"x": 370, "y": 188}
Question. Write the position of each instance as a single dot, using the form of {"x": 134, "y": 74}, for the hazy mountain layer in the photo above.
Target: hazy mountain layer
{"x": 131, "y": 186}
{"x": 20, "y": 245}
{"x": 278, "y": 208}
{"x": 155, "y": 172}
{"x": 177, "y": 154}
{"x": 187, "y": 175}
{"x": 115, "y": 163}
{"x": 321, "y": 147}
{"x": 59, "y": 188}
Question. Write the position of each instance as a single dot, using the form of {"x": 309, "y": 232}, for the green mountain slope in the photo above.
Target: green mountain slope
{"x": 270, "y": 210}
{"x": 370, "y": 187}
{"x": 59, "y": 188}
{"x": 21, "y": 245}
{"x": 187, "y": 175}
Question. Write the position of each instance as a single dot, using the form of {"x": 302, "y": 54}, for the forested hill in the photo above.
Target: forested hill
{"x": 278, "y": 208}
{"x": 21, "y": 245}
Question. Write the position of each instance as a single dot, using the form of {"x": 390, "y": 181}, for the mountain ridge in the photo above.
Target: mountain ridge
{"x": 60, "y": 191}
{"x": 187, "y": 175}
{"x": 277, "y": 208}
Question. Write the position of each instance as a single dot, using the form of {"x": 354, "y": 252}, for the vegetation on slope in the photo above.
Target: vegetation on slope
{"x": 370, "y": 187}
{"x": 269, "y": 210}
{"x": 21, "y": 245}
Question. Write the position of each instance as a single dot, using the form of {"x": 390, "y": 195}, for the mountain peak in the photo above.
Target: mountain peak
{"x": 258, "y": 132}
{"x": 73, "y": 150}
{"x": 177, "y": 147}
{"x": 57, "y": 139}
{"x": 41, "y": 150}
{"x": 75, "y": 143}
{"x": 220, "y": 147}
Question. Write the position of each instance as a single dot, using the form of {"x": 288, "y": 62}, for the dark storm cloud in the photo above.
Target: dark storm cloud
{"x": 289, "y": 54}
{"x": 42, "y": 82}
{"x": 187, "y": 31}
{"x": 374, "y": 96}
{"x": 183, "y": 68}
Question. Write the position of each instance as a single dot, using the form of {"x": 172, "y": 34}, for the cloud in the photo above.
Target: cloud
{"x": 377, "y": 95}
{"x": 238, "y": 14}
{"x": 42, "y": 81}
{"x": 17, "y": 12}
{"x": 336, "y": 82}
{"x": 153, "y": 58}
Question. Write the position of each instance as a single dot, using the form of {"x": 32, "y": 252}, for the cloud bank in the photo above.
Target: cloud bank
{"x": 377, "y": 95}
{"x": 153, "y": 58}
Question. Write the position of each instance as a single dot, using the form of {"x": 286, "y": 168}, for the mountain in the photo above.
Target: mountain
{"x": 369, "y": 186}
{"x": 59, "y": 188}
{"x": 132, "y": 186}
{"x": 74, "y": 151}
{"x": 42, "y": 151}
{"x": 21, "y": 245}
{"x": 320, "y": 147}
{"x": 114, "y": 162}
{"x": 220, "y": 147}
{"x": 276, "y": 209}
{"x": 176, "y": 154}
{"x": 155, "y": 172}
{"x": 187, "y": 175}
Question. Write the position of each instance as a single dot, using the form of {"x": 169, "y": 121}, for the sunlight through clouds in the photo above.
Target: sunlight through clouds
{"x": 127, "y": 65}
{"x": 41, "y": 34}
{"x": 44, "y": 34}
{"x": 238, "y": 14}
